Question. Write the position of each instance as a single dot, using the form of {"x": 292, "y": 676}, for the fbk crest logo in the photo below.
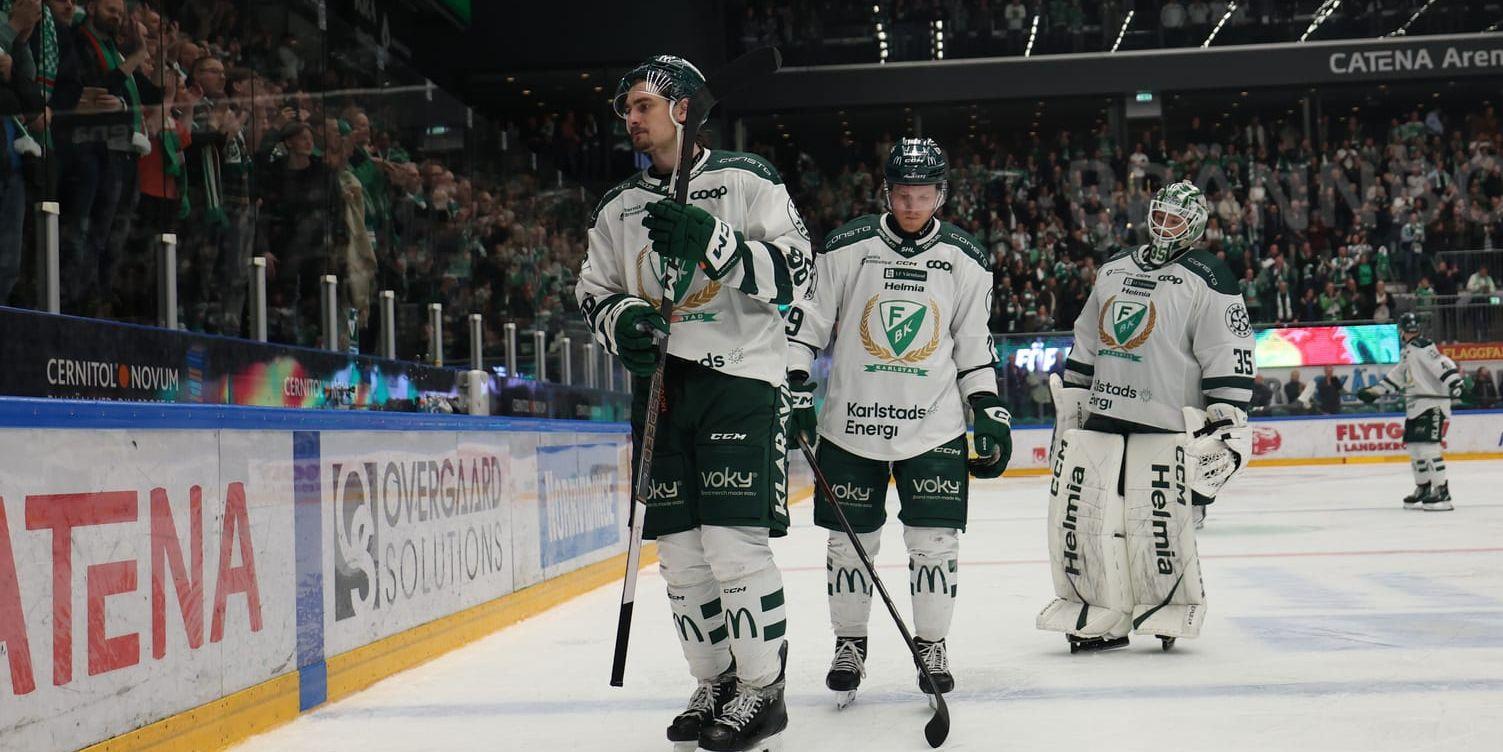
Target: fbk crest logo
{"x": 900, "y": 321}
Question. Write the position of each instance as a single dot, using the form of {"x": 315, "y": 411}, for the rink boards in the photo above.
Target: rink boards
{"x": 1317, "y": 439}
{"x": 208, "y": 572}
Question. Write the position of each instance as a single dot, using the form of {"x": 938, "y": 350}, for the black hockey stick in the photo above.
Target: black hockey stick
{"x": 938, "y": 727}
{"x": 736, "y": 74}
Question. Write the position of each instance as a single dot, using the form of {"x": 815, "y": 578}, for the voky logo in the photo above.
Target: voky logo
{"x": 936, "y": 485}
{"x": 727, "y": 479}
{"x": 851, "y": 492}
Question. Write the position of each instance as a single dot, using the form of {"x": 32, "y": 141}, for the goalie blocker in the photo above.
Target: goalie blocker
{"x": 1122, "y": 537}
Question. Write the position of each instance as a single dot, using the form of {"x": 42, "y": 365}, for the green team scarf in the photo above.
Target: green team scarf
{"x": 109, "y": 58}
{"x": 172, "y": 166}
{"x": 47, "y": 66}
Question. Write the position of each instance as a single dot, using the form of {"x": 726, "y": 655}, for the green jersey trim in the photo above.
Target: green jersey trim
{"x": 851, "y": 233}
{"x": 737, "y": 160}
{"x": 1211, "y": 269}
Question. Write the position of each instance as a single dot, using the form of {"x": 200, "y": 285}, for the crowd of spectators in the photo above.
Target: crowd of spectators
{"x": 845, "y": 31}
{"x": 1333, "y": 233}
{"x": 215, "y": 120}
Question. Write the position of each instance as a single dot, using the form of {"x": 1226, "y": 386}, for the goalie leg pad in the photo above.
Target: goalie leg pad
{"x": 1162, "y": 557}
{"x": 847, "y": 583}
{"x": 1087, "y": 550}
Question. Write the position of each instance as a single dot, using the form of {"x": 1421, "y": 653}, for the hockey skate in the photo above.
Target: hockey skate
{"x": 753, "y": 720}
{"x": 1416, "y": 500}
{"x": 937, "y": 660}
{"x": 1166, "y": 642}
{"x": 708, "y": 700}
{"x": 1095, "y": 644}
{"x": 1439, "y": 499}
{"x": 847, "y": 669}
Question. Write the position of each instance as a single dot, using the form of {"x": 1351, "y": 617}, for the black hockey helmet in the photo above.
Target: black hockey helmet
{"x": 668, "y": 76}
{"x": 916, "y": 161}
{"x": 1409, "y": 323}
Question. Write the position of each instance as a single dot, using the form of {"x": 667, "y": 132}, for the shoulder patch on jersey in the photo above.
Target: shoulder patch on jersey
{"x": 739, "y": 160}
{"x": 1211, "y": 269}
{"x": 958, "y": 237}
{"x": 850, "y": 233}
{"x": 611, "y": 195}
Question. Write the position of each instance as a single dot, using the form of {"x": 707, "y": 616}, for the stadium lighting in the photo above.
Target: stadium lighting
{"x": 881, "y": 35}
{"x": 1327, "y": 7}
{"x": 1123, "y": 31}
{"x": 1230, "y": 9}
{"x": 1032, "y": 35}
{"x": 1403, "y": 30}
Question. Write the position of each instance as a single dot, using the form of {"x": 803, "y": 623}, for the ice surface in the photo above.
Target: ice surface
{"x": 1337, "y": 621}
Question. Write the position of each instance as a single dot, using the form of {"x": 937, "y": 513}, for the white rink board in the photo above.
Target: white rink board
{"x": 314, "y": 542}
{"x": 126, "y": 486}
{"x": 1337, "y": 622}
{"x": 1317, "y": 437}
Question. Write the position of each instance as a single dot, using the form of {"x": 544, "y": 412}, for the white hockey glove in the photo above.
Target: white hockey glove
{"x": 1069, "y": 411}
{"x": 1218, "y": 443}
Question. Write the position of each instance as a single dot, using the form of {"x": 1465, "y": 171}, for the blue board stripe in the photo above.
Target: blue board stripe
{"x": 27, "y": 412}
{"x": 307, "y": 548}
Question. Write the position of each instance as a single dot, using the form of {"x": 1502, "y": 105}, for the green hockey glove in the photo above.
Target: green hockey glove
{"x": 694, "y": 236}
{"x": 993, "y": 429}
{"x": 635, "y": 343}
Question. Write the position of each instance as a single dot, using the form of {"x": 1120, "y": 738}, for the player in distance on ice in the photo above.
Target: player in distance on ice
{"x": 719, "y": 471}
{"x": 1429, "y": 381}
{"x": 1151, "y": 422}
{"x": 907, "y": 297}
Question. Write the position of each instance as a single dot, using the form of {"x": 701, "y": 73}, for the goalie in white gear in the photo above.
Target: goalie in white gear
{"x": 1429, "y": 381}
{"x": 906, "y": 297}
{"x": 1150, "y": 422}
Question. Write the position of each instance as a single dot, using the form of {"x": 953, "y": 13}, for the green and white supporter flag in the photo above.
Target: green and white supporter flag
{"x": 909, "y": 320}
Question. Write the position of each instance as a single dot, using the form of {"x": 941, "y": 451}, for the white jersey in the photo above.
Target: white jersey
{"x": 732, "y": 324}
{"x": 1152, "y": 341}
{"x": 909, "y": 317}
{"x": 1426, "y": 376}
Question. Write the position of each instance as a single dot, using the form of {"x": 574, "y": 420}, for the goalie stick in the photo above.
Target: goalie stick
{"x": 736, "y": 74}
{"x": 938, "y": 727}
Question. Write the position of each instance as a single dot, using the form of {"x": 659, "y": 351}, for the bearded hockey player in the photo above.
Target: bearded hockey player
{"x": 729, "y": 257}
{"x": 907, "y": 297}
{"x": 1151, "y": 422}
{"x": 1429, "y": 381}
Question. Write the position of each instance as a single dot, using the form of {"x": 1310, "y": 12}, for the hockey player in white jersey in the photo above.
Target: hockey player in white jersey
{"x": 1429, "y": 381}
{"x": 1151, "y": 423}
{"x": 729, "y": 257}
{"x": 906, "y": 297}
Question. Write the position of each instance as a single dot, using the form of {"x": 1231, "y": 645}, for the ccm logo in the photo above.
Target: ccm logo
{"x": 727, "y": 437}
{"x": 710, "y": 193}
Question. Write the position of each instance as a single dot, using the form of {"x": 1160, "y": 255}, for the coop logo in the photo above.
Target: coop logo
{"x": 851, "y": 492}
{"x": 708, "y": 193}
{"x": 105, "y": 375}
{"x": 727, "y": 479}
{"x": 1266, "y": 440}
{"x": 936, "y": 486}
{"x": 940, "y": 265}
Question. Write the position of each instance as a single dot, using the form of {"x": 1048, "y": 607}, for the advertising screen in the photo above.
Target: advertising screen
{"x": 1327, "y": 346}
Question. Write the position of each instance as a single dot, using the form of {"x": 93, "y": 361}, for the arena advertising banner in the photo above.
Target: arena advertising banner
{"x": 102, "y": 360}
{"x": 1316, "y": 437}
{"x": 146, "y": 572}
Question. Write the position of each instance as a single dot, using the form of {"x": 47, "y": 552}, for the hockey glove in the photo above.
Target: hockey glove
{"x": 993, "y": 427}
{"x": 693, "y": 236}
{"x": 1367, "y": 394}
{"x": 801, "y": 394}
{"x": 635, "y": 343}
{"x": 1218, "y": 443}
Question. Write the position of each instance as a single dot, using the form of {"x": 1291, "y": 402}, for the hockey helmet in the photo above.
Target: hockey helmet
{"x": 1409, "y": 323}
{"x": 916, "y": 161}
{"x": 1169, "y": 239}
{"x": 667, "y": 76}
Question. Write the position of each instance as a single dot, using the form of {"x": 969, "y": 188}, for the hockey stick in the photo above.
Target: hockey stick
{"x": 737, "y": 73}
{"x": 938, "y": 727}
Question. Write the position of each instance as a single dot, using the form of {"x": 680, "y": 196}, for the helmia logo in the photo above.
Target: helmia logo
{"x": 684, "y": 301}
{"x": 1125, "y": 325}
{"x": 901, "y": 322}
